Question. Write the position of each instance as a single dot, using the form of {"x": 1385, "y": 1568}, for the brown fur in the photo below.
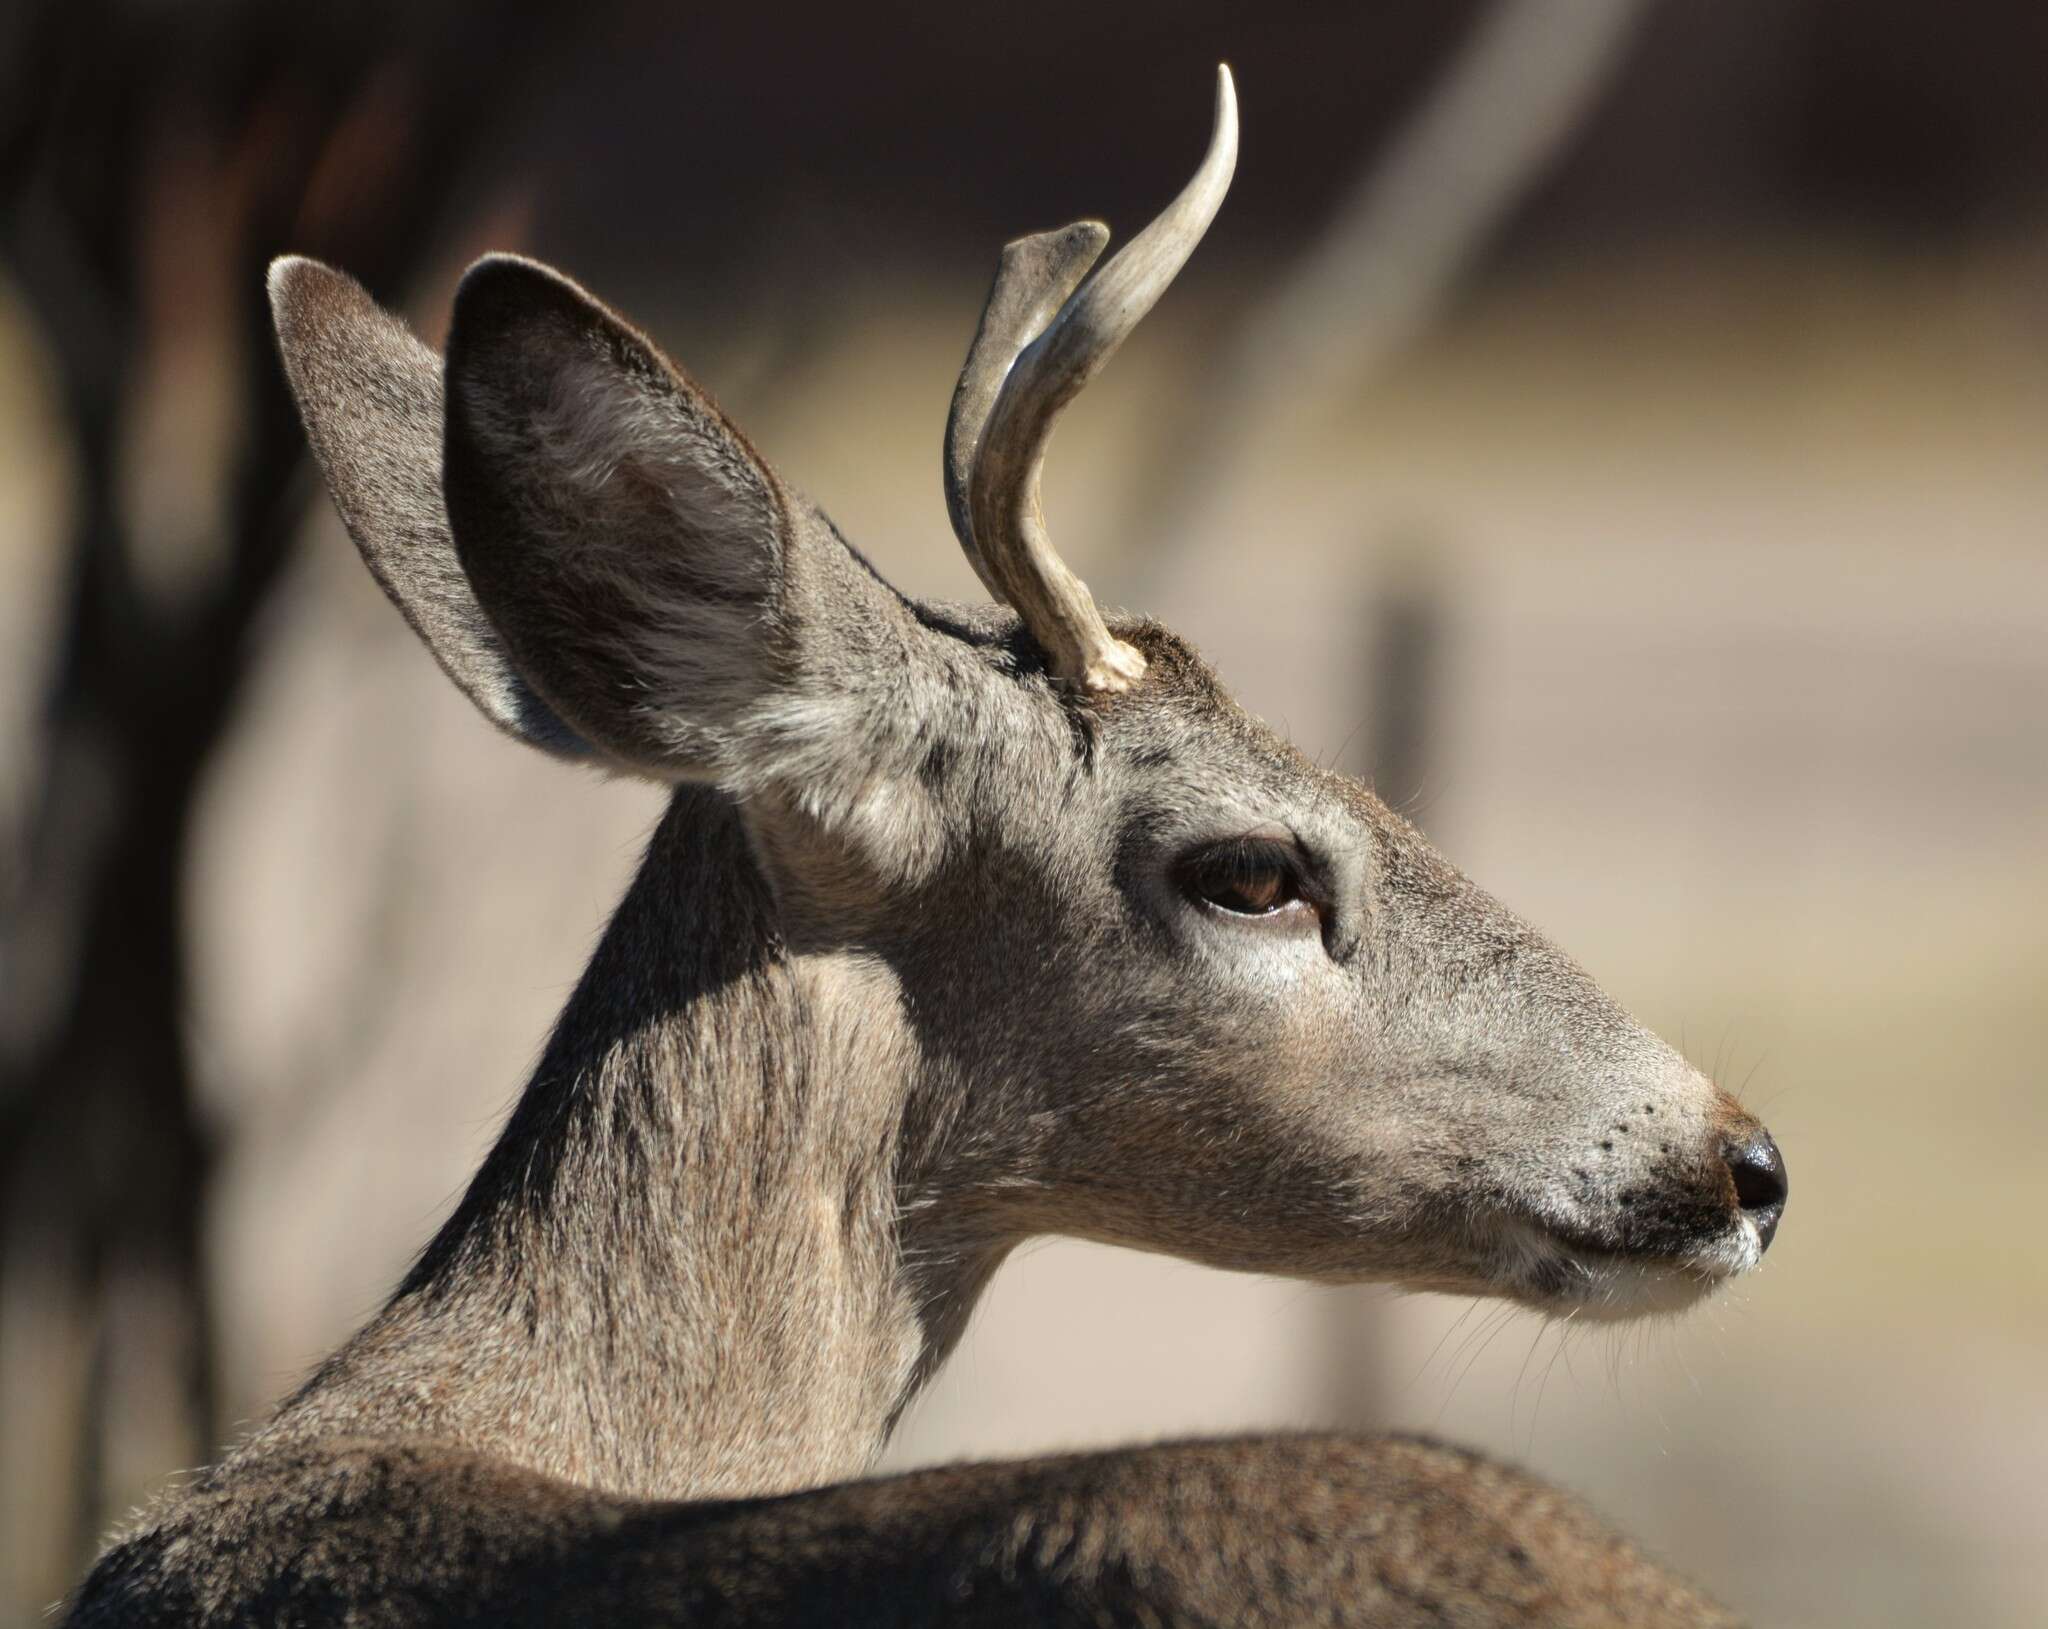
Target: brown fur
{"x": 1392, "y": 1533}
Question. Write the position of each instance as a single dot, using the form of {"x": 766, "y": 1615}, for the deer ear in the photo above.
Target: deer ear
{"x": 370, "y": 396}
{"x": 651, "y": 576}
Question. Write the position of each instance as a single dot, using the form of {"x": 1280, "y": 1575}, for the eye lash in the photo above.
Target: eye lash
{"x": 1251, "y": 877}
{"x": 1250, "y": 852}
{"x": 1281, "y": 851}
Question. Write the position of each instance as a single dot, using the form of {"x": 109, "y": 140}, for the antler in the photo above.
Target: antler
{"x": 1039, "y": 342}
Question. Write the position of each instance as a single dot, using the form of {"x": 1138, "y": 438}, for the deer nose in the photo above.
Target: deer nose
{"x": 1760, "y": 1184}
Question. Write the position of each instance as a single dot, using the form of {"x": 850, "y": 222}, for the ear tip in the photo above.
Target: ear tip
{"x": 292, "y": 278}
{"x": 288, "y": 271}
{"x": 509, "y": 284}
{"x": 304, "y": 293}
{"x": 500, "y": 266}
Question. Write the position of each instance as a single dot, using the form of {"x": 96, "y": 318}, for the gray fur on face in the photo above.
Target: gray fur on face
{"x": 912, "y": 971}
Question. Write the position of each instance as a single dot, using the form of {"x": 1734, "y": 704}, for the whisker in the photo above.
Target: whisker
{"x": 1457, "y": 1324}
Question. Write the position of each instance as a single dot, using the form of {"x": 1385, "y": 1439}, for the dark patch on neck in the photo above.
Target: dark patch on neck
{"x": 699, "y": 919}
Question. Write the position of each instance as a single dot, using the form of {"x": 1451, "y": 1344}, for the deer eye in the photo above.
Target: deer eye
{"x": 1246, "y": 877}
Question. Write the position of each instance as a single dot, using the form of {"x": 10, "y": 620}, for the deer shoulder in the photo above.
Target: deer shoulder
{"x": 1384, "y": 1532}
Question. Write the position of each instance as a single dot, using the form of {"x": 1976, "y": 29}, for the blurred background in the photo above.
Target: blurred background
{"x": 1617, "y": 427}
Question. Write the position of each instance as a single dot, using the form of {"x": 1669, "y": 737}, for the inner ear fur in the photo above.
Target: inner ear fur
{"x": 662, "y": 589}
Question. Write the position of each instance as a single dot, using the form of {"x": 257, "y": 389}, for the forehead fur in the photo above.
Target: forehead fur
{"x": 1181, "y": 704}
{"x": 1177, "y": 749}
{"x": 1181, "y": 707}
{"x": 1172, "y": 665}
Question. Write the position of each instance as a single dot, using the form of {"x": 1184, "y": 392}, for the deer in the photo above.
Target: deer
{"x": 965, "y": 924}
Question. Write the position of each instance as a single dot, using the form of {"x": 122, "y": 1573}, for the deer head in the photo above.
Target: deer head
{"x": 1127, "y": 965}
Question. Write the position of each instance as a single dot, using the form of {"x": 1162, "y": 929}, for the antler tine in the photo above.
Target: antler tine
{"x": 1033, "y": 280}
{"x": 1004, "y": 529}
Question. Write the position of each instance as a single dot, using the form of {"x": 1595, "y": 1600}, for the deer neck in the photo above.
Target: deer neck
{"x": 684, "y": 1270}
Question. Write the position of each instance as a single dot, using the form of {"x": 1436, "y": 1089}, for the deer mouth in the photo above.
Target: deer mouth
{"x": 1573, "y": 1270}
{"x": 1657, "y": 1243}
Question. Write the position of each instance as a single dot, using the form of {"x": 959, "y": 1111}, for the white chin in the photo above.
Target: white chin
{"x": 1602, "y": 1287}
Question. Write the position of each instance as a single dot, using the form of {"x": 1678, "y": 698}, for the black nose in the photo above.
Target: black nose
{"x": 1760, "y": 1185}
